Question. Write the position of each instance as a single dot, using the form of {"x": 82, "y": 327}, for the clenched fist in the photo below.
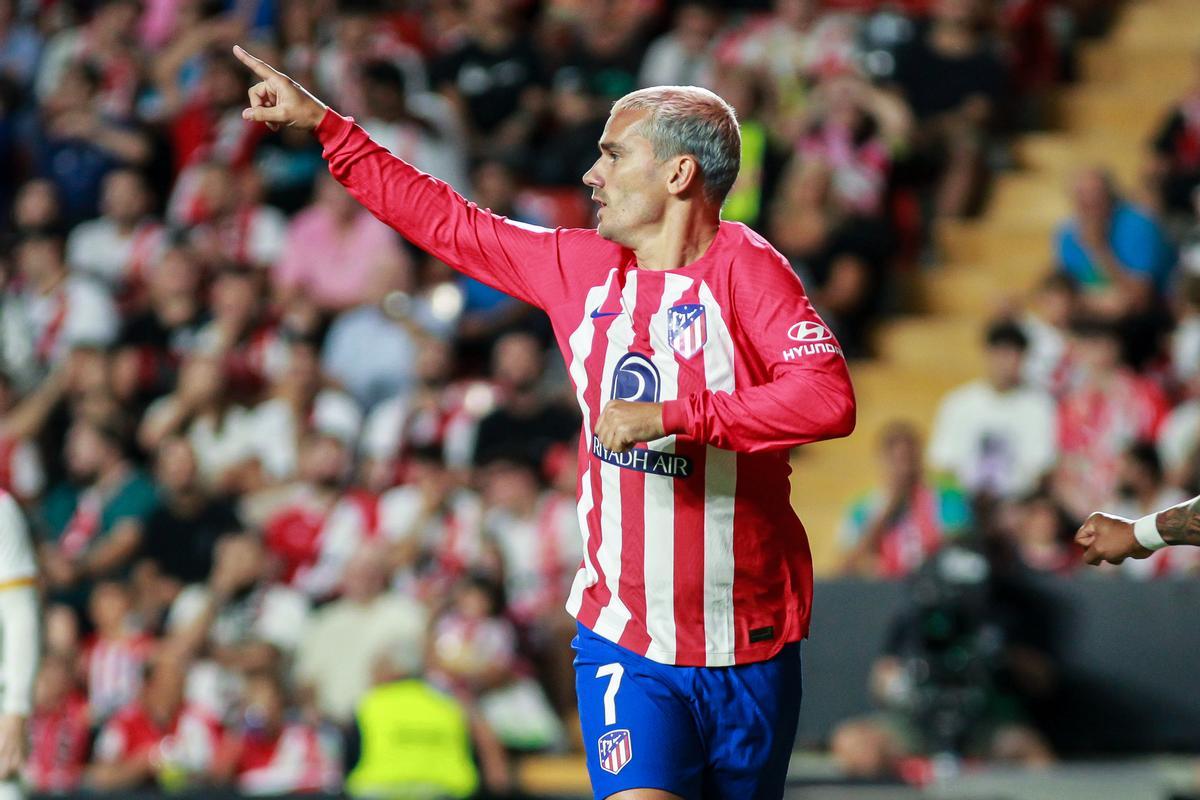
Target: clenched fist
{"x": 623, "y": 424}
{"x": 277, "y": 99}
{"x": 1109, "y": 538}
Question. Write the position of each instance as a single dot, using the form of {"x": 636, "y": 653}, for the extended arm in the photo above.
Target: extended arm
{"x": 522, "y": 260}
{"x": 1114, "y": 539}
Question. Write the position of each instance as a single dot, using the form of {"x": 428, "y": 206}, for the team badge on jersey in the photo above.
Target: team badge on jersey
{"x": 616, "y": 750}
{"x": 687, "y": 329}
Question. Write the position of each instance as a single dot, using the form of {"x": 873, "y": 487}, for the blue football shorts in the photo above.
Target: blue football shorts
{"x": 703, "y": 733}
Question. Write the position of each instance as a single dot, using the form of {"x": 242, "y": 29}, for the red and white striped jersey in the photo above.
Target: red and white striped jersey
{"x": 693, "y": 554}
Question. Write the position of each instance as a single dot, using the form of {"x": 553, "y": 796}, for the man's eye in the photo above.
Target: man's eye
{"x": 612, "y": 156}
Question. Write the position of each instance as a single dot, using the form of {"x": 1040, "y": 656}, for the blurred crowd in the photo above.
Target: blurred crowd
{"x": 287, "y": 473}
{"x": 1089, "y": 401}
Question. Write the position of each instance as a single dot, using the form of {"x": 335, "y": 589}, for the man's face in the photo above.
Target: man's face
{"x": 1004, "y": 365}
{"x": 124, "y": 197}
{"x": 628, "y": 182}
{"x": 85, "y": 452}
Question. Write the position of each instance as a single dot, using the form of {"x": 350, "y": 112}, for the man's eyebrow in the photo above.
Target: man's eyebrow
{"x": 611, "y": 147}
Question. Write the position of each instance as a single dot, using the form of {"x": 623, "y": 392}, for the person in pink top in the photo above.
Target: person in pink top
{"x": 697, "y": 361}
{"x": 333, "y": 248}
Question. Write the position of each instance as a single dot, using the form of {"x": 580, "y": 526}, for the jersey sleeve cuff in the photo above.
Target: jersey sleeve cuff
{"x": 675, "y": 416}
{"x": 333, "y": 130}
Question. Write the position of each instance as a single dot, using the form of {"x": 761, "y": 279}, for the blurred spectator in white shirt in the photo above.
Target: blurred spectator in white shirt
{"x": 995, "y": 435}
{"x": 683, "y": 56}
{"x": 345, "y": 639}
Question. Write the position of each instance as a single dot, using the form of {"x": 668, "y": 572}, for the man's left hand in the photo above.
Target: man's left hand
{"x": 623, "y": 424}
{"x": 12, "y": 745}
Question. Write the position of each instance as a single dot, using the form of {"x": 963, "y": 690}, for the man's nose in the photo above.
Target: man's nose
{"x": 592, "y": 178}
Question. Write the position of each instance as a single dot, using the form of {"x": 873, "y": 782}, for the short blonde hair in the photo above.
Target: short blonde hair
{"x": 690, "y": 120}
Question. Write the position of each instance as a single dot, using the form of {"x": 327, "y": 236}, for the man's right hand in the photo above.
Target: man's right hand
{"x": 1105, "y": 537}
{"x": 278, "y": 100}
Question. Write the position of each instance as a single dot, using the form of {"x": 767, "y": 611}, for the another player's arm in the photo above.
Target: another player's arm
{"x": 521, "y": 260}
{"x": 1113, "y": 539}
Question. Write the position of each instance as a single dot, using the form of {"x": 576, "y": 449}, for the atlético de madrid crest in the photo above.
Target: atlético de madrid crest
{"x": 616, "y": 750}
{"x": 687, "y": 329}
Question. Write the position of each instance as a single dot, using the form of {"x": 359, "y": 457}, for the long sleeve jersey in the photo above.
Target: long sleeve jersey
{"x": 693, "y": 554}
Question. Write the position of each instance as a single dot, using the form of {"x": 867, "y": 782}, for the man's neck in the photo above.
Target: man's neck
{"x": 678, "y": 241}
{"x": 112, "y": 475}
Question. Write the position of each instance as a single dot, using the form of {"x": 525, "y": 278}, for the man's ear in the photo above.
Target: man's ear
{"x": 685, "y": 176}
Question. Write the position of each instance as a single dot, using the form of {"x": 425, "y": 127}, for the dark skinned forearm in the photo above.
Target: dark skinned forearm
{"x": 1181, "y": 524}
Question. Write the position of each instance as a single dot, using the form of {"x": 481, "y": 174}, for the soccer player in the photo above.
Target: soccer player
{"x": 1114, "y": 539}
{"x": 697, "y": 361}
{"x": 18, "y": 642}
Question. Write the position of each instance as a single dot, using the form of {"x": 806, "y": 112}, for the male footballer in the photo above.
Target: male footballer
{"x": 697, "y": 361}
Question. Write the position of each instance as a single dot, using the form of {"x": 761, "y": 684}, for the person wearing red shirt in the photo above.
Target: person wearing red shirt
{"x": 698, "y": 362}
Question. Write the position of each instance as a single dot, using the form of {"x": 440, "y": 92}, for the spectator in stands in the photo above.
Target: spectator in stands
{"x": 1106, "y": 408}
{"x": 525, "y": 423}
{"x": 334, "y": 248}
{"x": 204, "y": 121}
{"x": 94, "y": 524}
{"x": 237, "y": 622}
{"x": 182, "y": 534}
{"x": 120, "y": 247}
{"x": 1179, "y": 439}
{"x": 20, "y": 48}
{"x": 226, "y": 221}
{"x": 475, "y": 647}
{"x": 761, "y": 152}
{"x": 827, "y": 217}
{"x": 362, "y": 37}
{"x": 1142, "y": 489}
{"x": 1185, "y": 341}
{"x": 494, "y": 79}
{"x": 61, "y": 311}
{"x": 954, "y": 81}
{"x": 894, "y": 529}
{"x": 1047, "y": 326}
{"x": 786, "y": 46}
{"x": 223, "y": 436}
{"x": 36, "y": 208}
{"x": 154, "y": 341}
{"x": 1041, "y": 533}
{"x": 316, "y": 529}
{"x": 115, "y": 657}
{"x": 345, "y": 639}
{"x": 420, "y": 127}
{"x": 58, "y": 729}
{"x": 106, "y": 43}
{"x": 265, "y": 753}
{"x": 241, "y": 333}
{"x": 160, "y": 738}
{"x": 437, "y": 413}
{"x": 1115, "y": 251}
{"x": 302, "y": 401}
{"x": 1173, "y": 173}
{"x": 433, "y": 527}
{"x": 397, "y": 326}
{"x": 683, "y": 55}
{"x": 996, "y": 436}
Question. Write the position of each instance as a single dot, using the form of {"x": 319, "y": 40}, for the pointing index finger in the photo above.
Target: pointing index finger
{"x": 259, "y": 67}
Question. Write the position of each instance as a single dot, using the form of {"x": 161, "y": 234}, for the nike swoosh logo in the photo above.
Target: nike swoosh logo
{"x": 597, "y": 313}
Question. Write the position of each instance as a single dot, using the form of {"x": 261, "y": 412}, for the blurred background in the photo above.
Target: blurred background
{"x": 304, "y": 497}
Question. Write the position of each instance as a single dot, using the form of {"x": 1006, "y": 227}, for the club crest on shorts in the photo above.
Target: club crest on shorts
{"x": 616, "y": 750}
{"x": 687, "y": 329}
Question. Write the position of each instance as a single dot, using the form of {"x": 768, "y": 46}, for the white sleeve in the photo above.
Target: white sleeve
{"x": 19, "y": 623}
{"x": 944, "y": 452}
{"x": 16, "y": 551}
{"x": 92, "y": 319}
{"x": 383, "y": 433}
{"x": 28, "y": 476}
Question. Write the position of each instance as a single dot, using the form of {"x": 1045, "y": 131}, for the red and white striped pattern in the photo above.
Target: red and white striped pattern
{"x": 658, "y": 571}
